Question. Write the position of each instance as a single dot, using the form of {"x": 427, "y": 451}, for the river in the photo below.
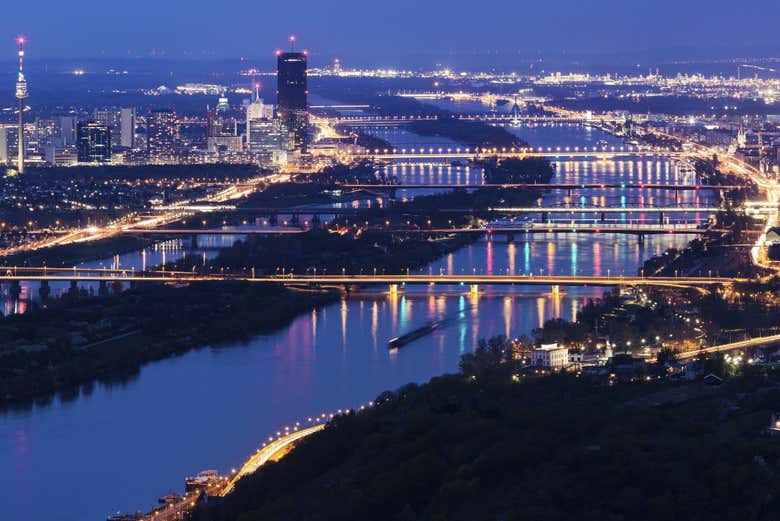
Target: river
{"x": 119, "y": 447}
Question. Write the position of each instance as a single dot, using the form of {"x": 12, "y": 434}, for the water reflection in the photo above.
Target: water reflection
{"x": 117, "y": 447}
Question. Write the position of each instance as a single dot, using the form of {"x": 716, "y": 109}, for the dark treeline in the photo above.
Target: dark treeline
{"x": 514, "y": 170}
{"x": 327, "y": 253}
{"x": 80, "y": 338}
{"x": 467, "y": 447}
{"x": 218, "y": 171}
{"x": 468, "y": 133}
{"x": 619, "y": 319}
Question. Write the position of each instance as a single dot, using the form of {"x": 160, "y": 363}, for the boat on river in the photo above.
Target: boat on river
{"x": 411, "y": 336}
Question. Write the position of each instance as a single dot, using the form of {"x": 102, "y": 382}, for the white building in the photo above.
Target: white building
{"x": 263, "y": 132}
{"x": 3, "y": 145}
{"x": 127, "y": 127}
{"x": 550, "y": 356}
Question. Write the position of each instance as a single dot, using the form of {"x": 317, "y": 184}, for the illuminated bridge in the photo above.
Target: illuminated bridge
{"x": 351, "y": 210}
{"x": 474, "y": 280}
{"x": 444, "y": 154}
{"x": 543, "y": 186}
{"x": 532, "y": 228}
{"x": 364, "y": 120}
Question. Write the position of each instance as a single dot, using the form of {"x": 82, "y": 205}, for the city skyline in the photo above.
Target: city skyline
{"x": 233, "y": 257}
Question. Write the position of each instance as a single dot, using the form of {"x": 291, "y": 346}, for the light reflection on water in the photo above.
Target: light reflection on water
{"x": 120, "y": 447}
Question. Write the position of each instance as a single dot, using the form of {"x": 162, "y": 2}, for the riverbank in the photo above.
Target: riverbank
{"x": 70, "y": 255}
{"x": 726, "y": 254}
{"x": 89, "y": 338}
{"x": 79, "y": 339}
{"x": 500, "y": 447}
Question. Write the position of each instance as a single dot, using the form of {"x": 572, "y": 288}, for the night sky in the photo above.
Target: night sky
{"x": 362, "y": 28}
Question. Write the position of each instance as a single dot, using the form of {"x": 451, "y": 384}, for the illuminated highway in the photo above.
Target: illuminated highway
{"x": 262, "y": 456}
{"x": 174, "y": 213}
{"x": 753, "y": 343}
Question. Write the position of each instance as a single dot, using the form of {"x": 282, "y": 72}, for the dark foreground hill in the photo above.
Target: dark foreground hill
{"x": 552, "y": 449}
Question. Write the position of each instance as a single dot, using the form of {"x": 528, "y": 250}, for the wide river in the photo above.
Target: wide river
{"x": 119, "y": 447}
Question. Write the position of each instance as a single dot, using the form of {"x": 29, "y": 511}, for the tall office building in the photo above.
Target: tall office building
{"x": 68, "y": 130}
{"x": 263, "y": 132}
{"x": 292, "y": 93}
{"x": 93, "y": 141}
{"x": 161, "y": 134}
{"x": 3, "y": 145}
{"x": 127, "y": 127}
{"x": 110, "y": 118}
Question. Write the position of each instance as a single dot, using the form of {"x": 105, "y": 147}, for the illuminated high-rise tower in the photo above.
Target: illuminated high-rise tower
{"x": 21, "y": 94}
{"x": 292, "y": 96}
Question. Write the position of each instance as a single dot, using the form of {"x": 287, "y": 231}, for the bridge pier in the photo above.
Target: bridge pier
{"x": 570, "y": 191}
{"x": 641, "y": 238}
{"x": 73, "y": 289}
{"x": 603, "y": 216}
{"x": 394, "y": 289}
{"x": 510, "y": 237}
{"x": 315, "y": 221}
{"x": 194, "y": 241}
{"x": 15, "y": 289}
{"x": 474, "y": 290}
{"x": 544, "y": 216}
{"x": 295, "y": 219}
{"x": 273, "y": 219}
{"x": 45, "y": 290}
{"x": 555, "y": 290}
{"x": 660, "y": 218}
{"x": 103, "y": 288}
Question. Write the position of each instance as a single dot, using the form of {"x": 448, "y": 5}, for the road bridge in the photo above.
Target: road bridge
{"x": 382, "y": 279}
{"x": 531, "y": 228}
{"x": 351, "y": 211}
{"x": 542, "y": 186}
{"x": 402, "y": 119}
{"x": 457, "y": 155}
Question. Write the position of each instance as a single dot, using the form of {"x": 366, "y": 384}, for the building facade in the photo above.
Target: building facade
{"x": 550, "y": 356}
{"x": 161, "y": 130}
{"x": 264, "y": 133}
{"x": 292, "y": 97}
{"x": 127, "y": 127}
{"x": 93, "y": 141}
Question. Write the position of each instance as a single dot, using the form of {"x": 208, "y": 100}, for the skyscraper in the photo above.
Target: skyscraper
{"x": 127, "y": 127}
{"x": 3, "y": 145}
{"x": 263, "y": 132}
{"x": 110, "y": 118}
{"x": 161, "y": 134}
{"x": 93, "y": 141}
{"x": 68, "y": 130}
{"x": 292, "y": 97}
